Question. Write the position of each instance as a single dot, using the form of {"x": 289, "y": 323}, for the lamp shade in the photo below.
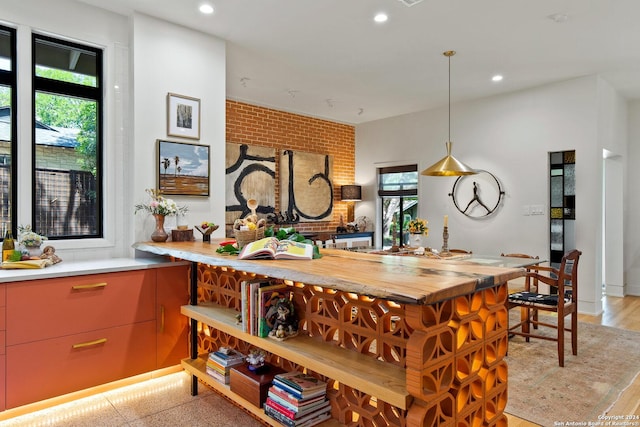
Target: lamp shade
{"x": 448, "y": 166}
{"x": 351, "y": 193}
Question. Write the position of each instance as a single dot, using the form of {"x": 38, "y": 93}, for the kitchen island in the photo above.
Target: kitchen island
{"x": 406, "y": 341}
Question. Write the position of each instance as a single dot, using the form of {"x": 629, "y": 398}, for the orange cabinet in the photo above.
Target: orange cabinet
{"x": 2, "y": 346}
{"x": 43, "y": 369}
{"x": 42, "y": 309}
{"x": 66, "y": 334}
{"x": 172, "y": 327}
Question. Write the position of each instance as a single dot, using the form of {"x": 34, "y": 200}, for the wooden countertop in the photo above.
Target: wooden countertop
{"x": 412, "y": 280}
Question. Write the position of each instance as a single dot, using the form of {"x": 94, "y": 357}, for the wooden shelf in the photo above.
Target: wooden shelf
{"x": 197, "y": 367}
{"x": 385, "y": 381}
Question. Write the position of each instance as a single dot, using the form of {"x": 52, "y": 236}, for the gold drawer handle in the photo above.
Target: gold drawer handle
{"x": 162, "y": 319}
{"x": 92, "y": 286}
{"x": 90, "y": 343}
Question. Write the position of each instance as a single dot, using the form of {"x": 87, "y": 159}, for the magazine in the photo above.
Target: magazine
{"x": 272, "y": 248}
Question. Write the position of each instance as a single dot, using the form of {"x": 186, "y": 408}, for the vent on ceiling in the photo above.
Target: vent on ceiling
{"x": 410, "y": 2}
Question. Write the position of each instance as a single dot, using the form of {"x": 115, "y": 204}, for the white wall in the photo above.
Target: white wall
{"x": 170, "y": 58}
{"x": 510, "y": 136}
{"x": 613, "y": 138}
{"x": 632, "y": 196}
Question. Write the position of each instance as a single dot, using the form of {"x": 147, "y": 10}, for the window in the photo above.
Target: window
{"x": 398, "y": 191}
{"x": 562, "y": 196}
{"x": 7, "y": 127}
{"x": 67, "y": 135}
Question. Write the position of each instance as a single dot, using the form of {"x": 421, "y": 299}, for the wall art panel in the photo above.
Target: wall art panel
{"x": 306, "y": 188}
{"x": 250, "y": 174}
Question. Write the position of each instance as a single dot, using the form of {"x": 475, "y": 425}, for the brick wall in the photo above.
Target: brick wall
{"x": 254, "y": 125}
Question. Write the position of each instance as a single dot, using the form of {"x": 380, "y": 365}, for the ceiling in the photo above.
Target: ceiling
{"x": 329, "y": 59}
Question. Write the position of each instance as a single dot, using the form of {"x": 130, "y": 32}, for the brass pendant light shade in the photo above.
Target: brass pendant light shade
{"x": 449, "y": 165}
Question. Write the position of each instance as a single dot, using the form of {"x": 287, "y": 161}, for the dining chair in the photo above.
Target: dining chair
{"x": 517, "y": 284}
{"x": 340, "y": 244}
{"x": 360, "y": 244}
{"x": 563, "y": 302}
{"x": 325, "y": 240}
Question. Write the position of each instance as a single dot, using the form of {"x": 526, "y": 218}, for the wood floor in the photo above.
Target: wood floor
{"x": 623, "y": 313}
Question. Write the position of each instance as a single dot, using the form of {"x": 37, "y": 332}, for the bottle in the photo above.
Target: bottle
{"x": 8, "y": 245}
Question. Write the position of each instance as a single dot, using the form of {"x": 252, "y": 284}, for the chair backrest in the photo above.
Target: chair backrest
{"x": 520, "y": 256}
{"x": 530, "y": 268}
{"x": 360, "y": 244}
{"x": 338, "y": 244}
{"x": 460, "y": 251}
{"x": 568, "y": 273}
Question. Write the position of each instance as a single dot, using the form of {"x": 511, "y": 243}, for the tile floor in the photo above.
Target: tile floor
{"x": 164, "y": 401}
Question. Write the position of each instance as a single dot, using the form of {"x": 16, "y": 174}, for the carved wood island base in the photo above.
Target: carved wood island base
{"x": 401, "y": 341}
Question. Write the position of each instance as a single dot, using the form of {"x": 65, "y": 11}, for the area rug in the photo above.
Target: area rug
{"x": 540, "y": 391}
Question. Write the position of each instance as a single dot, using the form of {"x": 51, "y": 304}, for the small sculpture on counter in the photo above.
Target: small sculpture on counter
{"x": 283, "y": 321}
{"x": 49, "y": 252}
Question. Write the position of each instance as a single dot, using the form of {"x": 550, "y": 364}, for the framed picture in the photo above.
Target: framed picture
{"x": 183, "y": 168}
{"x": 183, "y": 116}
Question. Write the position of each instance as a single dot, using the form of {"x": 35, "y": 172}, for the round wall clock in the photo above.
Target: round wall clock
{"x": 478, "y": 195}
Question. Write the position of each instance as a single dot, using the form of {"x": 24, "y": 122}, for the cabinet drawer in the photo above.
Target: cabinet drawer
{"x": 49, "y": 368}
{"x": 2, "y": 389}
{"x": 42, "y": 309}
{"x": 3, "y": 318}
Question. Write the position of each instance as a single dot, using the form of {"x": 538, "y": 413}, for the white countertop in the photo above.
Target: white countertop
{"x": 79, "y": 268}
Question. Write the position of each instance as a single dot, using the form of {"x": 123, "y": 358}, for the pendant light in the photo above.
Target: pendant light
{"x": 449, "y": 165}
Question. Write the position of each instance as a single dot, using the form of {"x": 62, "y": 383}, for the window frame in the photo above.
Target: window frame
{"x": 62, "y": 88}
{"x": 10, "y": 78}
{"x": 400, "y": 193}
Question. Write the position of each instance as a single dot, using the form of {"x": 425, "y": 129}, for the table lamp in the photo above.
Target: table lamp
{"x": 351, "y": 194}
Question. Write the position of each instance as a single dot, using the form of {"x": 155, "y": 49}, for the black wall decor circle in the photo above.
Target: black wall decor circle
{"x": 477, "y": 196}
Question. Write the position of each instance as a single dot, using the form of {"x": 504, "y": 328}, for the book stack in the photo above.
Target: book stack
{"x": 297, "y": 400}
{"x": 258, "y": 303}
{"x": 219, "y": 363}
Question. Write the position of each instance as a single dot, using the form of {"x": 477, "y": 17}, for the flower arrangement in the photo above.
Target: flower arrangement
{"x": 418, "y": 226}
{"x": 29, "y": 238}
{"x": 159, "y": 205}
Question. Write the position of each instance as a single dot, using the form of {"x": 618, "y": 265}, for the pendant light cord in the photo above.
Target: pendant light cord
{"x": 449, "y": 98}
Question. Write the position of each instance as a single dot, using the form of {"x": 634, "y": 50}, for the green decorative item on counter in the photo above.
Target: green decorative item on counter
{"x": 15, "y": 256}
{"x": 228, "y": 249}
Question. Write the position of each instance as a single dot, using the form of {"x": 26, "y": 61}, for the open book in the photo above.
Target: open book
{"x": 272, "y": 248}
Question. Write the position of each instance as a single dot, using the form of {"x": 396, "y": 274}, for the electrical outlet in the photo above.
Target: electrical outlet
{"x": 537, "y": 209}
{"x": 526, "y": 210}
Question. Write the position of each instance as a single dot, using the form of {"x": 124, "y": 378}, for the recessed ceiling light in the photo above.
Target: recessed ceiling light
{"x": 381, "y": 17}
{"x": 206, "y": 9}
{"x": 496, "y": 78}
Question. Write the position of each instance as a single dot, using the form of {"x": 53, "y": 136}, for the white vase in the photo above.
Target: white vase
{"x": 33, "y": 250}
{"x": 417, "y": 240}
